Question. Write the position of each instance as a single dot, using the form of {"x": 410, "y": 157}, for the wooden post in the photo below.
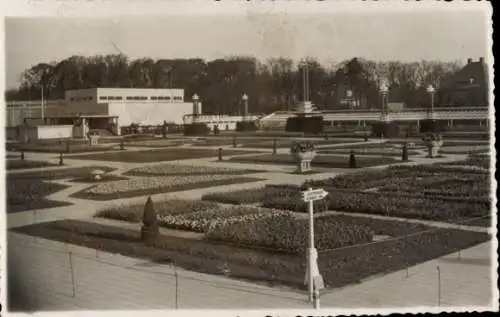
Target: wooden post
{"x": 72, "y": 273}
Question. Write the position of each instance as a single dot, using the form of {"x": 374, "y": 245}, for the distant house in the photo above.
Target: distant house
{"x": 467, "y": 87}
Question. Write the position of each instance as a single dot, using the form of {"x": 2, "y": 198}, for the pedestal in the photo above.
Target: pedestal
{"x": 304, "y": 166}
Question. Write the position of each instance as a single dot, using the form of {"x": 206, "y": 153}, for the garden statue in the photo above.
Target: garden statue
{"x": 220, "y": 154}
{"x": 150, "y": 228}
{"x": 303, "y": 153}
{"x": 405, "y": 153}
{"x": 352, "y": 160}
{"x": 433, "y": 141}
{"x": 164, "y": 129}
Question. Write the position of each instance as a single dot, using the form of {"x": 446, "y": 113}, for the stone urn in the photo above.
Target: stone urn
{"x": 97, "y": 174}
{"x": 433, "y": 142}
{"x": 303, "y": 154}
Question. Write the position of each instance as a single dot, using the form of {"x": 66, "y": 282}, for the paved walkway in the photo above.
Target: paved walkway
{"x": 122, "y": 282}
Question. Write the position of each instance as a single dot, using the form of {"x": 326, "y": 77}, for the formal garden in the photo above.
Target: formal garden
{"x": 372, "y": 221}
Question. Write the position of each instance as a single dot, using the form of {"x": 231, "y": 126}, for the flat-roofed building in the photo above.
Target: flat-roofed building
{"x": 106, "y": 108}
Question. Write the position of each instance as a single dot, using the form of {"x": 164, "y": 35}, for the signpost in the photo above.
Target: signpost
{"x": 313, "y": 277}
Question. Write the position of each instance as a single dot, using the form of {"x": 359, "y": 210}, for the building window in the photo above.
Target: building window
{"x": 154, "y": 98}
{"x": 102, "y": 98}
{"x": 118, "y": 98}
{"x": 130, "y": 98}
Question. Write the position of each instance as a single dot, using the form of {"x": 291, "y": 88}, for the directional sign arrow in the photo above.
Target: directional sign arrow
{"x": 312, "y": 195}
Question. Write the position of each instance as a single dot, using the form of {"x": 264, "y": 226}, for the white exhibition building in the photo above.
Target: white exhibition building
{"x": 105, "y": 109}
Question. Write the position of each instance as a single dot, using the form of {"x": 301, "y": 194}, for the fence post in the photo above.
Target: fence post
{"x": 34, "y": 222}
{"x": 72, "y": 273}
{"x": 439, "y": 285}
{"x": 176, "y": 287}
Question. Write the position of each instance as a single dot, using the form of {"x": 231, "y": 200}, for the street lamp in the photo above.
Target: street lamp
{"x": 195, "y": 106}
{"x": 245, "y": 103}
{"x": 384, "y": 90}
{"x": 431, "y": 91}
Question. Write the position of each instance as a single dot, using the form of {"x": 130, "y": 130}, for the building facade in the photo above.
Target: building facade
{"x": 106, "y": 108}
{"x": 468, "y": 87}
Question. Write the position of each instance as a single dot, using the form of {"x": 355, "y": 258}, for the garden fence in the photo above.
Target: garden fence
{"x": 51, "y": 275}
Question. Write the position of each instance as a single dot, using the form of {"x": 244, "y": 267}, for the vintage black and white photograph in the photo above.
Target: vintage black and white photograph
{"x": 265, "y": 158}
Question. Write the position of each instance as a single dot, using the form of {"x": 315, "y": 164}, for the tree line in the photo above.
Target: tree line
{"x": 275, "y": 84}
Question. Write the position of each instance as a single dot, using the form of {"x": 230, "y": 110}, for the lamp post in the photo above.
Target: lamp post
{"x": 245, "y": 103}
{"x": 43, "y": 106}
{"x": 195, "y": 107}
{"x": 384, "y": 90}
{"x": 431, "y": 91}
{"x": 305, "y": 80}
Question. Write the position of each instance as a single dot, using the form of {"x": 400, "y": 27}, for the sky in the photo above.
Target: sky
{"x": 329, "y": 37}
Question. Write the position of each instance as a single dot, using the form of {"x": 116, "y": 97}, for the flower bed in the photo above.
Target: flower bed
{"x": 281, "y": 231}
{"x": 133, "y": 213}
{"x": 60, "y": 173}
{"x": 246, "y": 196}
{"x": 154, "y": 185}
{"x": 175, "y": 169}
{"x": 29, "y": 194}
{"x": 203, "y": 221}
{"x": 171, "y": 154}
{"x": 328, "y": 161}
{"x": 339, "y": 268}
{"x": 21, "y": 164}
{"x": 406, "y": 205}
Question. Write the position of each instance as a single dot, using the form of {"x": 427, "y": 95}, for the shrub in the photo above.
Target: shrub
{"x": 385, "y": 129}
{"x": 432, "y": 126}
{"x": 196, "y": 129}
{"x": 311, "y": 125}
{"x": 246, "y": 126}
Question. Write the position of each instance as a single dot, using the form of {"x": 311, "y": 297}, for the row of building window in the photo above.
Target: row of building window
{"x": 138, "y": 98}
{"x": 81, "y": 98}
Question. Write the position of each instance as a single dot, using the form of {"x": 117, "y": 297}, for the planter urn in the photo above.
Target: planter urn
{"x": 433, "y": 147}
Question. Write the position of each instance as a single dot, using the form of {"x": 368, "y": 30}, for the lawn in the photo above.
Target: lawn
{"x": 103, "y": 179}
{"x": 29, "y": 194}
{"x": 286, "y": 143}
{"x": 59, "y": 173}
{"x": 170, "y": 154}
{"x": 156, "y": 184}
{"x": 26, "y": 164}
{"x": 179, "y": 170}
{"x": 221, "y": 253}
{"x": 161, "y": 143}
{"x": 328, "y": 161}
{"x": 61, "y": 148}
{"x": 369, "y": 149}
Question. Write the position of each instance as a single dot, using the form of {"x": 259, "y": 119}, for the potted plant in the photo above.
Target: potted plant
{"x": 303, "y": 153}
{"x": 433, "y": 141}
